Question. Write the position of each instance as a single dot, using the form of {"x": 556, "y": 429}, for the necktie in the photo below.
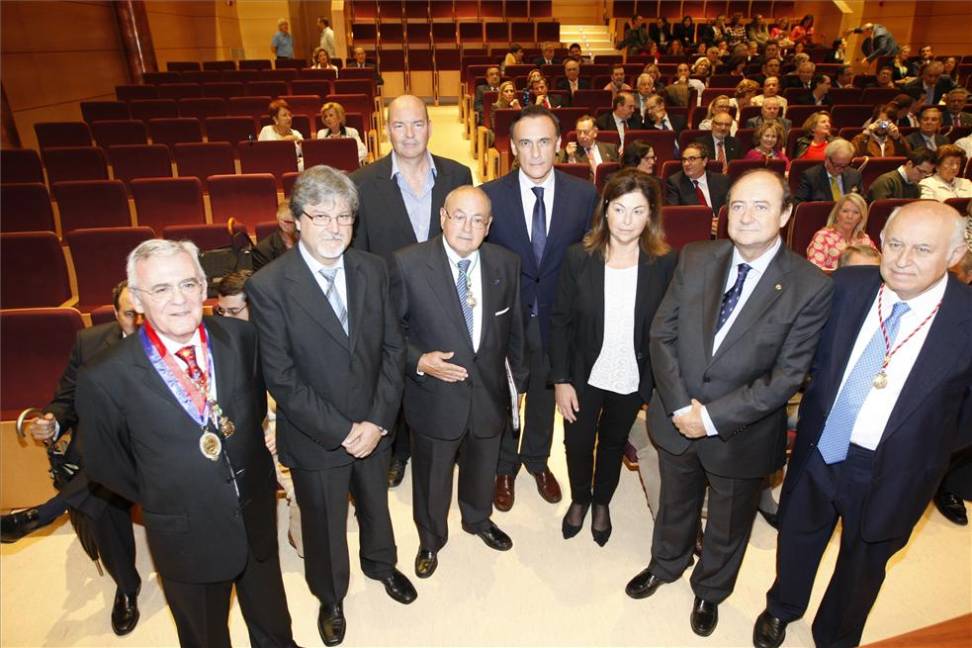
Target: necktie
{"x": 539, "y": 224}
{"x": 930, "y": 143}
{"x": 334, "y": 297}
{"x": 665, "y": 125}
{"x": 835, "y": 188}
{"x": 699, "y": 194}
{"x": 835, "y": 438}
{"x": 731, "y": 298}
{"x": 188, "y": 355}
{"x": 721, "y": 154}
{"x": 462, "y": 288}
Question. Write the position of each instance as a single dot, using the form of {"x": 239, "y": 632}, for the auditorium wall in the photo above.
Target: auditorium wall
{"x": 194, "y": 30}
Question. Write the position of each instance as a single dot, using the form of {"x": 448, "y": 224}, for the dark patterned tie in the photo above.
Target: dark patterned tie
{"x": 188, "y": 355}
{"x": 462, "y": 289}
{"x": 334, "y": 297}
{"x": 731, "y": 298}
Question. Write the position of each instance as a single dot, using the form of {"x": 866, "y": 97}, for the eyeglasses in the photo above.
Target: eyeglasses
{"x": 323, "y": 220}
{"x": 691, "y": 158}
{"x": 231, "y": 312}
{"x": 478, "y": 222}
{"x": 164, "y": 292}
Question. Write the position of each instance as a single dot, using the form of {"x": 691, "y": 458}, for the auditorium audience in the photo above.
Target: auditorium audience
{"x": 816, "y": 136}
{"x": 645, "y": 90}
{"x": 771, "y": 88}
{"x": 617, "y": 84}
{"x": 572, "y": 81}
{"x": 907, "y": 110}
{"x": 660, "y": 32}
{"x": 818, "y": 96}
{"x": 492, "y": 84}
{"x": 586, "y": 149}
{"x": 322, "y": 60}
{"x": 720, "y": 105}
{"x": 547, "y": 55}
{"x": 899, "y": 64}
{"x": 770, "y": 111}
{"x": 506, "y": 99}
{"x": 639, "y": 155}
{"x": 903, "y": 181}
{"x": 845, "y": 227}
{"x": 947, "y": 182}
{"x": 513, "y": 57}
{"x": 622, "y": 116}
{"x": 757, "y": 30}
{"x": 657, "y": 116}
{"x": 881, "y": 138}
{"x": 884, "y": 78}
{"x": 954, "y": 113}
{"x": 723, "y": 147}
{"x": 802, "y": 78}
{"x": 684, "y": 32}
{"x": 540, "y": 96}
{"x": 832, "y": 179}
{"x": 280, "y": 129}
{"x": 743, "y": 97}
{"x": 769, "y": 68}
{"x": 335, "y": 126}
{"x": 930, "y": 84}
{"x": 950, "y": 71}
{"x": 928, "y": 134}
{"x": 768, "y": 143}
{"x": 803, "y": 32}
{"x": 282, "y": 239}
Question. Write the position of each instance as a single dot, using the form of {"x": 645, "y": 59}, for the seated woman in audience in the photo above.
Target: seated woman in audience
{"x": 881, "y": 137}
{"x": 950, "y": 71}
{"x": 746, "y": 90}
{"x": 816, "y": 136}
{"x": 802, "y": 34}
{"x": 845, "y": 226}
{"x": 838, "y": 51}
{"x": 280, "y": 129}
{"x": 506, "y": 99}
{"x": 684, "y": 32}
{"x": 675, "y": 48}
{"x": 334, "y": 120}
{"x": 737, "y": 65}
{"x": 639, "y": 155}
{"x": 771, "y": 88}
{"x": 900, "y": 63}
{"x": 654, "y": 72}
{"x": 884, "y": 78}
{"x": 757, "y": 30}
{"x": 702, "y": 69}
{"x": 513, "y": 57}
{"x": 717, "y": 106}
{"x": 322, "y": 60}
{"x": 610, "y": 286}
{"x": 780, "y": 32}
{"x": 768, "y": 142}
{"x": 947, "y": 181}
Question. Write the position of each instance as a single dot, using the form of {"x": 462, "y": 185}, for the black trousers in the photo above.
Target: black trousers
{"x": 537, "y": 429}
{"x": 958, "y": 479}
{"x": 201, "y": 610}
{"x": 323, "y": 499}
{"x": 732, "y": 507}
{"x": 116, "y": 543}
{"x": 860, "y": 569}
{"x": 402, "y": 444}
{"x": 432, "y": 469}
{"x": 602, "y": 428}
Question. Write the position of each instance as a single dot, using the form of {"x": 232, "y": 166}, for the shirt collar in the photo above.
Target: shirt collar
{"x": 760, "y": 263}
{"x": 904, "y": 176}
{"x": 921, "y": 304}
{"x": 172, "y": 346}
{"x": 315, "y": 265}
{"x": 701, "y": 180}
{"x": 527, "y": 184}
{"x": 454, "y": 257}
{"x": 428, "y": 158}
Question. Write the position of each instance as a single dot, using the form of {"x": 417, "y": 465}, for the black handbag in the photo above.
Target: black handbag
{"x": 219, "y": 262}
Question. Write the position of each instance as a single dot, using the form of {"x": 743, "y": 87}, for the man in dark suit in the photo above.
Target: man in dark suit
{"x": 459, "y": 305}
{"x": 282, "y": 239}
{"x": 540, "y": 96}
{"x": 954, "y": 115}
{"x": 694, "y": 185}
{"x": 722, "y": 146}
{"x": 928, "y": 135}
{"x": 832, "y": 179}
{"x": 623, "y": 116}
{"x": 360, "y": 60}
{"x": 161, "y": 430}
{"x": 492, "y": 85}
{"x": 802, "y": 79}
{"x": 769, "y": 110}
{"x": 587, "y": 150}
{"x": 333, "y": 358}
{"x": 400, "y": 196}
{"x": 547, "y": 57}
{"x": 877, "y": 428}
{"x": 770, "y": 68}
{"x": 930, "y": 85}
{"x": 903, "y": 181}
{"x": 819, "y": 95}
{"x": 107, "y": 513}
{"x": 538, "y": 213}
{"x": 730, "y": 344}
{"x": 571, "y": 81}
{"x": 657, "y": 116}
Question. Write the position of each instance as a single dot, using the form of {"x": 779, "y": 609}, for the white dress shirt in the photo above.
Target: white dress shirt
{"x": 196, "y": 342}
{"x": 616, "y": 367}
{"x": 621, "y": 124}
{"x": 340, "y": 280}
{"x": 528, "y": 199}
{"x": 475, "y": 274}
{"x": 876, "y": 409}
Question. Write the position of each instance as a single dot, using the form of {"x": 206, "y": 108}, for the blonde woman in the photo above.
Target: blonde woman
{"x": 845, "y": 227}
{"x": 334, "y": 119}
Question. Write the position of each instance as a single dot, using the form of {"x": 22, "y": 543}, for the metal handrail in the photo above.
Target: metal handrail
{"x": 435, "y": 63}
{"x": 407, "y": 73}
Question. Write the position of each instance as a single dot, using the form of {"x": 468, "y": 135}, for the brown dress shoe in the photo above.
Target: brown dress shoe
{"x": 503, "y": 497}
{"x": 547, "y": 486}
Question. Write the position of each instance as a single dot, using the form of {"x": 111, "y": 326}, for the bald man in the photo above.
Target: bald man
{"x": 890, "y": 399}
{"x": 401, "y": 197}
{"x": 458, "y": 301}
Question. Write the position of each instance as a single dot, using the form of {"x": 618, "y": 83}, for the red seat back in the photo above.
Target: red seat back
{"x": 113, "y": 132}
{"x": 276, "y": 157}
{"x": 230, "y": 129}
{"x": 92, "y": 203}
{"x": 173, "y": 131}
{"x": 132, "y": 92}
{"x": 202, "y": 107}
{"x": 99, "y": 257}
{"x": 62, "y": 134}
{"x": 684, "y": 224}
{"x": 146, "y": 109}
{"x": 92, "y": 111}
{"x": 36, "y": 256}
{"x": 223, "y": 89}
{"x": 20, "y": 165}
{"x": 662, "y": 142}
{"x": 168, "y": 201}
{"x": 578, "y": 170}
{"x": 807, "y": 218}
{"x": 203, "y": 159}
{"x": 877, "y": 216}
{"x": 248, "y": 106}
{"x": 249, "y": 199}
{"x": 26, "y": 207}
{"x": 179, "y": 90}
{"x": 340, "y": 153}
{"x": 205, "y": 236}
{"x": 75, "y": 163}
{"x": 603, "y": 173}
{"x": 130, "y": 161}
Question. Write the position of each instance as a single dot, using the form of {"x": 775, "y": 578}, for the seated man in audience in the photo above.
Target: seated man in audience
{"x": 360, "y": 60}
{"x": 818, "y": 96}
{"x": 884, "y": 78}
{"x": 954, "y": 114}
{"x": 571, "y": 80}
{"x": 722, "y": 146}
{"x": 548, "y": 56}
{"x": 282, "y": 239}
{"x": 657, "y": 116}
{"x": 929, "y": 134}
{"x": 587, "y": 150}
{"x": 857, "y": 255}
{"x": 803, "y": 78}
{"x": 770, "y": 68}
{"x": 574, "y": 52}
{"x": 930, "y": 85}
{"x": 617, "y": 84}
{"x": 908, "y": 110}
{"x": 881, "y": 138}
{"x": 492, "y": 85}
{"x": 539, "y": 94}
{"x": 832, "y": 179}
{"x": 770, "y": 110}
{"x": 903, "y": 181}
{"x": 844, "y": 77}
{"x": 622, "y": 116}
{"x": 694, "y": 185}
{"x": 646, "y": 90}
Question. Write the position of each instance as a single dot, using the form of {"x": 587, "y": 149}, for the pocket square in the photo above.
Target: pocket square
{"x": 498, "y": 313}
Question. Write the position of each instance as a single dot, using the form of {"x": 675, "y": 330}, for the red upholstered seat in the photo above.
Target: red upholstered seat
{"x": 130, "y": 161}
{"x": 872, "y": 167}
{"x": 263, "y": 230}
{"x": 276, "y": 157}
{"x": 223, "y": 89}
{"x": 102, "y": 315}
{"x": 340, "y": 153}
{"x": 25, "y": 207}
{"x": 254, "y": 106}
{"x": 288, "y": 183}
{"x": 146, "y": 109}
{"x": 203, "y": 159}
{"x": 62, "y": 134}
{"x": 168, "y": 201}
{"x": 202, "y": 107}
{"x": 878, "y": 213}
{"x": 99, "y": 260}
{"x": 179, "y": 90}
{"x": 92, "y": 111}
{"x": 686, "y": 223}
{"x": 75, "y": 163}
{"x": 124, "y": 131}
{"x": 808, "y": 217}
{"x": 172, "y": 131}
{"x": 132, "y": 92}
{"x": 36, "y": 256}
{"x": 92, "y": 203}
{"x": 205, "y": 236}
{"x": 20, "y": 165}
{"x": 797, "y": 169}
{"x": 662, "y": 142}
{"x": 266, "y": 88}
{"x": 603, "y": 173}
{"x": 579, "y": 170}
{"x": 249, "y": 199}
{"x": 230, "y": 129}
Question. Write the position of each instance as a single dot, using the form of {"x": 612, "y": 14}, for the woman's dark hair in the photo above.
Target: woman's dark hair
{"x": 634, "y": 152}
{"x": 803, "y": 22}
{"x": 624, "y": 182}
{"x": 515, "y": 47}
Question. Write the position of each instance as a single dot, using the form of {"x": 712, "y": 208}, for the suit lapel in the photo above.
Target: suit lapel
{"x": 557, "y": 227}
{"x": 223, "y": 360}
{"x": 357, "y": 289}
{"x": 595, "y": 288}
{"x": 306, "y": 293}
{"x": 439, "y": 277}
{"x": 519, "y": 220}
{"x": 492, "y": 290}
{"x": 715, "y": 280}
{"x": 441, "y": 187}
{"x": 152, "y": 378}
{"x": 641, "y": 298}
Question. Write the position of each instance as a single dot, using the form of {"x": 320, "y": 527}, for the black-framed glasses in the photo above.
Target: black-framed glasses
{"x": 229, "y": 312}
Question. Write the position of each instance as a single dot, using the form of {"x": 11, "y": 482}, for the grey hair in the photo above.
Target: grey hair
{"x": 838, "y": 145}
{"x": 161, "y": 247}
{"x": 320, "y": 184}
{"x": 958, "y": 232}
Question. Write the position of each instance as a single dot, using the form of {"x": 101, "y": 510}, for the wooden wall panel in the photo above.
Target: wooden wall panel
{"x": 258, "y": 24}
{"x": 196, "y": 30}
{"x": 944, "y": 25}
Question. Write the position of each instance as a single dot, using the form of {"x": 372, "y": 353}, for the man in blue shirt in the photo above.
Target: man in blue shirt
{"x": 282, "y": 44}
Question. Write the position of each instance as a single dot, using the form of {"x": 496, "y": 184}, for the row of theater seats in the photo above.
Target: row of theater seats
{"x": 288, "y": 74}
{"x": 228, "y": 89}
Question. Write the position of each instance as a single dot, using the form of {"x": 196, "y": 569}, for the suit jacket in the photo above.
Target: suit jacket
{"x": 138, "y": 441}
{"x": 606, "y": 122}
{"x": 730, "y": 143}
{"x": 679, "y": 190}
{"x": 655, "y": 33}
{"x": 609, "y": 153}
{"x": 570, "y": 218}
{"x": 577, "y": 324}
{"x": 537, "y": 62}
{"x": 815, "y": 185}
{"x": 677, "y": 123}
{"x": 964, "y": 119}
{"x": 481, "y": 91}
{"x": 807, "y": 99}
{"x": 892, "y": 185}
{"x": 760, "y": 364}
{"x": 916, "y": 141}
{"x": 322, "y": 380}
{"x": 271, "y": 247}
{"x": 916, "y": 88}
{"x": 582, "y": 84}
{"x": 383, "y": 225}
{"x": 431, "y": 317}
{"x": 931, "y": 419}
{"x": 757, "y": 121}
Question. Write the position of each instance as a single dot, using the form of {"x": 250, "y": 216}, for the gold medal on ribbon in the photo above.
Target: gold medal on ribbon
{"x": 210, "y": 446}
{"x": 226, "y": 427}
{"x": 880, "y": 380}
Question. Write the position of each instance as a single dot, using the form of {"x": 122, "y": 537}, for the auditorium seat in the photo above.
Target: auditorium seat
{"x": 102, "y": 315}
{"x": 285, "y": 75}
{"x": 356, "y": 103}
{"x": 739, "y": 167}
{"x": 205, "y": 236}
{"x": 263, "y": 230}
{"x": 91, "y": 203}
{"x": 203, "y": 159}
{"x": 591, "y": 98}
{"x": 174, "y": 131}
{"x": 75, "y": 163}
{"x": 354, "y": 86}
{"x": 93, "y": 111}
{"x": 179, "y": 90}
{"x": 340, "y": 153}
{"x": 35, "y": 345}
{"x": 248, "y": 106}
{"x": 255, "y": 64}
{"x": 123, "y": 131}
{"x": 157, "y": 78}
{"x": 797, "y": 169}
{"x": 130, "y": 161}
{"x": 878, "y": 213}
{"x": 99, "y": 258}
{"x": 37, "y": 256}
{"x": 808, "y": 217}
{"x": 219, "y": 65}
{"x": 310, "y": 74}
{"x": 317, "y": 87}
{"x": 686, "y": 223}
{"x": 60, "y": 134}
{"x": 872, "y": 167}
{"x": 276, "y": 157}
{"x": 850, "y": 115}
{"x": 249, "y": 199}
{"x": 20, "y": 165}
{"x": 578, "y": 170}
{"x": 202, "y": 76}
{"x": 603, "y": 173}
{"x": 271, "y": 89}
{"x": 202, "y": 107}
{"x": 960, "y": 204}
{"x": 230, "y": 129}
{"x": 146, "y": 109}
{"x": 160, "y": 202}
{"x": 25, "y": 207}
{"x": 663, "y": 142}
{"x": 301, "y": 104}
{"x": 288, "y": 180}
{"x": 132, "y": 92}
{"x": 223, "y": 89}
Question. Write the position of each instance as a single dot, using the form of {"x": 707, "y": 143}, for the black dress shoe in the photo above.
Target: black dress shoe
{"x": 952, "y": 507}
{"x": 566, "y": 528}
{"x": 331, "y": 624}
{"x": 643, "y": 585}
{"x": 396, "y": 473}
{"x": 493, "y": 537}
{"x": 425, "y": 563}
{"x": 771, "y": 518}
{"x": 705, "y": 617}
{"x": 124, "y": 613}
{"x": 601, "y": 536}
{"x": 399, "y": 587}
{"x": 15, "y": 526}
{"x": 769, "y": 631}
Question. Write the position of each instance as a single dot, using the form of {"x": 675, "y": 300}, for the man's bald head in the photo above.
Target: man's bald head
{"x": 409, "y": 128}
{"x": 468, "y": 195}
{"x": 919, "y": 243}
{"x": 407, "y": 102}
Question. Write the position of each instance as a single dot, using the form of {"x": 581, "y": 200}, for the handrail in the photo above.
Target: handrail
{"x": 435, "y": 63}
{"x": 407, "y": 73}
{"x": 377, "y": 36}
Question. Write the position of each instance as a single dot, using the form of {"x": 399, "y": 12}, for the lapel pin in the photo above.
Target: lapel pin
{"x": 778, "y": 287}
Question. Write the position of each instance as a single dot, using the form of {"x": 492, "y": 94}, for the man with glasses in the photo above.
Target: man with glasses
{"x": 587, "y": 150}
{"x": 170, "y": 419}
{"x": 721, "y": 145}
{"x": 903, "y": 181}
{"x": 458, "y": 301}
{"x": 834, "y": 178}
{"x": 333, "y": 359}
{"x": 694, "y": 185}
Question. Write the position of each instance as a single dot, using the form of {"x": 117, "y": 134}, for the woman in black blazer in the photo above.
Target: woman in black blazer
{"x": 609, "y": 288}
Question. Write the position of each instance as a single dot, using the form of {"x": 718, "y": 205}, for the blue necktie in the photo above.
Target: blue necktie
{"x": 462, "y": 288}
{"x": 836, "y": 435}
{"x": 539, "y": 225}
{"x": 731, "y": 298}
{"x": 334, "y": 297}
